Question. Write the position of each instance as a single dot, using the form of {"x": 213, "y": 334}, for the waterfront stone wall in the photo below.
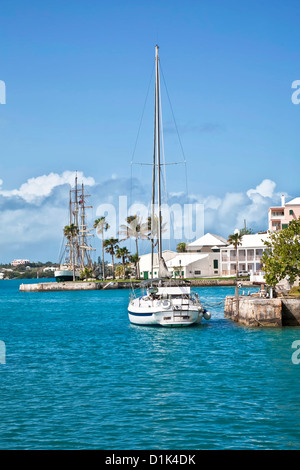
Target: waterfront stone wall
{"x": 258, "y": 311}
{"x": 290, "y": 311}
{"x": 213, "y": 282}
{"x": 59, "y": 286}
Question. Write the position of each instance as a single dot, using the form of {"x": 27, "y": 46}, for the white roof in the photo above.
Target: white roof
{"x": 294, "y": 202}
{"x": 253, "y": 241}
{"x": 209, "y": 240}
{"x": 167, "y": 254}
{"x": 184, "y": 259}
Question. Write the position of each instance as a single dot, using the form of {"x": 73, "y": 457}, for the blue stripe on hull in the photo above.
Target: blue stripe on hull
{"x": 140, "y": 314}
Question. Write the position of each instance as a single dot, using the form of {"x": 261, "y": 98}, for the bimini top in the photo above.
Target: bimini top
{"x": 165, "y": 282}
{"x": 179, "y": 290}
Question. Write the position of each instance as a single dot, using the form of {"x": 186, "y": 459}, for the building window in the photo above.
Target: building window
{"x": 197, "y": 272}
{"x": 277, "y": 213}
{"x": 285, "y": 225}
{"x": 216, "y": 264}
{"x": 291, "y": 211}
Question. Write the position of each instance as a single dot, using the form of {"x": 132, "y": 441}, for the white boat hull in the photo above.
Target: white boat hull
{"x": 166, "y": 318}
{"x": 163, "y": 313}
{"x": 167, "y": 306}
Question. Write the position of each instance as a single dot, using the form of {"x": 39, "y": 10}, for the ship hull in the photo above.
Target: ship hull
{"x": 65, "y": 275}
{"x": 167, "y": 318}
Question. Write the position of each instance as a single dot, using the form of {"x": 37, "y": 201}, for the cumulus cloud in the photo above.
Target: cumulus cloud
{"x": 235, "y": 208}
{"x": 36, "y": 189}
{"x": 32, "y": 217}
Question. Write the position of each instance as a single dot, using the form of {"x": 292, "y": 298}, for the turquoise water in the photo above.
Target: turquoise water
{"x": 77, "y": 375}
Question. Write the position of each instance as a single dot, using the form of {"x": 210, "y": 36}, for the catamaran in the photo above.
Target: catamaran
{"x": 165, "y": 301}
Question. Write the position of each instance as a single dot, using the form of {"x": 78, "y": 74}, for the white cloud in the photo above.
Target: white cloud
{"x": 264, "y": 189}
{"x": 32, "y": 217}
{"x": 36, "y": 189}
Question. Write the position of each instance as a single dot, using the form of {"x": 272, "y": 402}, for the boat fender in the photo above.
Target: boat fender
{"x": 206, "y": 315}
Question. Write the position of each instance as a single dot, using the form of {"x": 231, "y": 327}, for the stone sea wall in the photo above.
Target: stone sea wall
{"x": 255, "y": 311}
{"x": 92, "y": 285}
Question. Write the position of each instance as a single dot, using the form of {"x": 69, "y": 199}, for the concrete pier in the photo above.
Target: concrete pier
{"x": 75, "y": 286}
{"x": 93, "y": 285}
{"x": 256, "y": 311}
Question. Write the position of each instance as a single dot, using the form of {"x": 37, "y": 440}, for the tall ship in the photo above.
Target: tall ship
{"x": 165, "y": 301}
{"x": 76, "y": 253}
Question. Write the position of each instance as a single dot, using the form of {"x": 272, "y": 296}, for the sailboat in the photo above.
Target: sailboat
{"x": 76, "y": 255}
{"x": 165, "y": 301}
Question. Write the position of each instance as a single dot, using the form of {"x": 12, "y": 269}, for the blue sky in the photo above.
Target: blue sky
{"x": 77, "y": 75}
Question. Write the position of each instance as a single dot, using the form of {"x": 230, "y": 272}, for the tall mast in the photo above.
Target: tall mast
{"x": 157, "y": 100}
{"x": 76, "y": 220}
{"x": 152, "y": 225}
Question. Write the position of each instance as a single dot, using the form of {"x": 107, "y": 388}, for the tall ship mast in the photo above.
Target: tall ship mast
{"x": 77, "y": 250}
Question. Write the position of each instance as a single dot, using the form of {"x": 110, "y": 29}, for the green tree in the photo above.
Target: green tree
{"x": 86, "y": 273}
{"x": 101, "y": 226}
{"x": 71, "y": 232}
{"x": 111, "y": 245}
{"x": 119, "y": 271}
{"x": 134, "y": 228}
{"x": 282, "y": 255}
{"x": 235, "y": 240}
{"x": 134, "y": 259}
{"x": 246, "y": 231}
{"x": 122, "y": 253}
{"x": 181, "y": 247}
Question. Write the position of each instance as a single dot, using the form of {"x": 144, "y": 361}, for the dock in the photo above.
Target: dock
{"x": 262, "y": 311}
{"x": 76, "y": 286}
{"x": 113, "y": 284}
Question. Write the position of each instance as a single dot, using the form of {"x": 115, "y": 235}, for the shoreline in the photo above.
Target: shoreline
{"x": 54, "y": 286}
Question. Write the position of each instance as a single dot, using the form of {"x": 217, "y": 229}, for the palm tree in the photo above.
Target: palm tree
{"x": 110, "y": 245}
{"x": 101, "y": 226}
{"x": 86, "y": 273}
{"x": 134, "y": 228}
{"x": 134, "y": 259}
{"x": 119, "y": 271}
{"x": 70, "y": 232}
{"x": 122, "y": 253}
{"x": 236, "y": 240}
{"x": 181, "y": 247}
{"x": 152, "y": 226}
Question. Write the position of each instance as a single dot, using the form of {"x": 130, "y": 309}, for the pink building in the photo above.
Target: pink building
{"x": 18, "y": 262}
{"x": 280, "y": 217}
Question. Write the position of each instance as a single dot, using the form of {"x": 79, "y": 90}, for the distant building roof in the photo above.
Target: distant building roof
{"x": 254, "y": 240}
{"x": 294, "y": 202}
{"x": 209, "y": 240}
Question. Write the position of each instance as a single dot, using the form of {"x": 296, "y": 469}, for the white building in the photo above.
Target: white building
{"x": 249, "y": 257}
{"x": 49, "y": 268}
{"x": 187, "y": 265}
{"x": 207, "y": 243}
{"x": 19, "y": 262}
